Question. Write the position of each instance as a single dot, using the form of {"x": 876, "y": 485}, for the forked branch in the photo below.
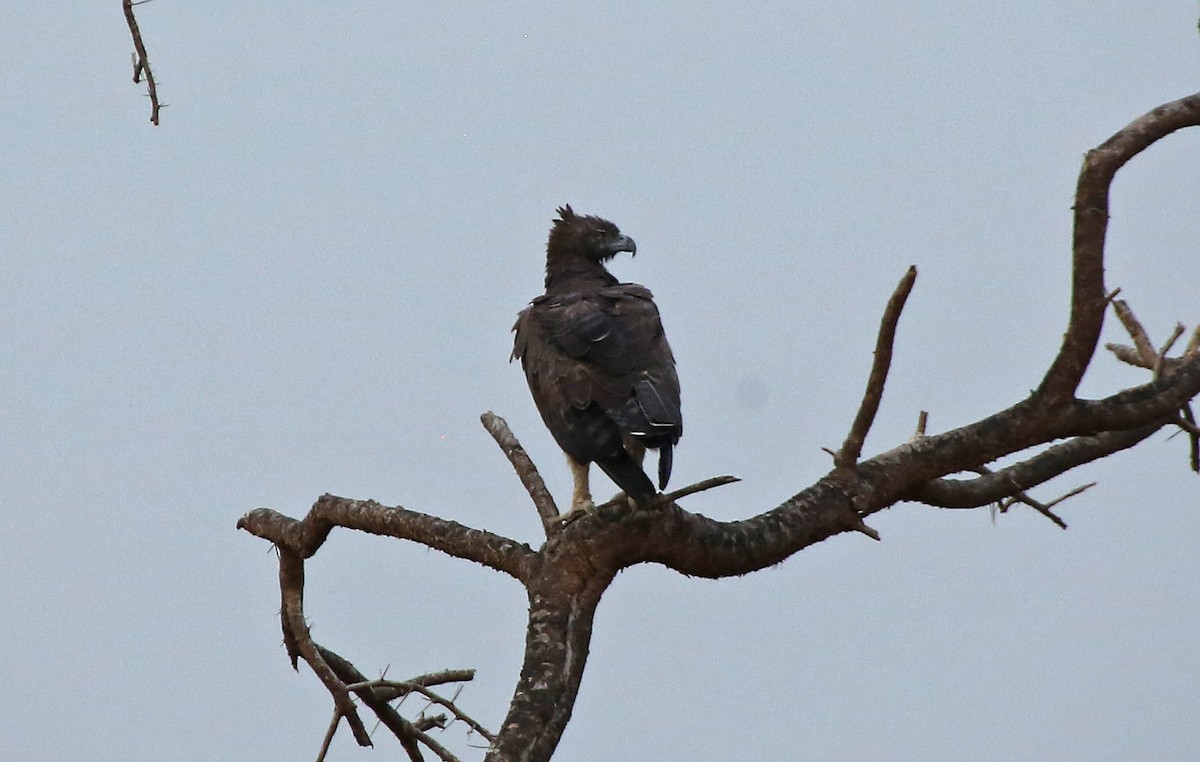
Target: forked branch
{"x": 409, "y": 735}
{"x": 306, "y": 537}
{"x": 400, "y": 688}
{"x": 566, "y": 577}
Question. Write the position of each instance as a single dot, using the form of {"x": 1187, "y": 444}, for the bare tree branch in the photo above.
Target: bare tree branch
{"x": 429, "y": 722}
{"x": 1047, "y": 507}
{"x": 406, "y": 732}
{"x": 444, "y": 676}
{"x": 528, "y": 473}
{"x": 1141, "y": 340}
{"x": 405, "y": 687}
{"x": 1130, "y": 408}
{"x": 141, "y": 62}
{"x": 1126, "y": 354}
{"x": 1188, "y": 423}
{"x": 566, "y": 577}
{"x": 1143, "y": 354}
{"x": 1161, "y": 356}
{"x": 1088, "y": 296}
{"x": 306, "y": 537}
{"x": 1055, "y": 461}
{"x": 1020, "y": 496}
{"x": 852, "y": 447}
{"x": 922, "y": 422}
{"x": 701, "y": 486}
{"x": 297, "y": 635}
{"x": 390, "y": 690}
{"x": 329, "y": 733}
{"x": 1193, "y": 345}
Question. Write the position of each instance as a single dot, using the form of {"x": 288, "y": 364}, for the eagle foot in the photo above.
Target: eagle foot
{"x": 578, "y": 510}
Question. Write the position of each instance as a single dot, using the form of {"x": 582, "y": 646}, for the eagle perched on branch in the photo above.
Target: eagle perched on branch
{"x": 598, "y": 364}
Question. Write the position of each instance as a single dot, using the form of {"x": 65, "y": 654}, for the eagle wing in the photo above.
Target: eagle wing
{"x": 599, "y": 368}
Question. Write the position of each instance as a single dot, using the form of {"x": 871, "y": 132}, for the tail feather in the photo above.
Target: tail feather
{"x": 630, "y": 477}
{"x": 664, "y": 465}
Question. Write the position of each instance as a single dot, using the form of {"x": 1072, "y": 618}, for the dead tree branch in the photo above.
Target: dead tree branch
{"x": 1187, "y": 422}
{"x": 994, "y": 486}
{"x": 1088, "y": 295}
{"x": 1141, "y": 340}
{"x": 141, "y": 62}
{"x": 852, "y": 447}
{"x": 1052, "y": 431}
{"x": 701, "y": 486}
{"x": 306, "y": 537}
{"x": 534, "y": 485}
{"x": 401, "y": 688}
{"x": 1019, "y": 496}
{"x": 300, "y": 643}
{"x": 1046, "y": 508}
{"x": 409, "y": 735}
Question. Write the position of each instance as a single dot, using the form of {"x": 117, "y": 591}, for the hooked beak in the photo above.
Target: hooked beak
{"x": 622, "y": 243}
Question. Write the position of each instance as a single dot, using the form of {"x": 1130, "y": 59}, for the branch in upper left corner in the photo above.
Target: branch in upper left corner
{"x": 141, "y": 63}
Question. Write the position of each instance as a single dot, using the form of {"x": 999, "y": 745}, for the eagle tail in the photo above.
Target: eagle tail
{"x": 664, "y": 465}
{"x": 630, "y": 477}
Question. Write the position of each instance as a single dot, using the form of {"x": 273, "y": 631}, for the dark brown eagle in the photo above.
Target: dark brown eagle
{"x": 598, "y": 364}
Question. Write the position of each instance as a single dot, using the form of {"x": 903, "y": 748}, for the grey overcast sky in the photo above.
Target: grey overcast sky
{"x": 304, "y": 280}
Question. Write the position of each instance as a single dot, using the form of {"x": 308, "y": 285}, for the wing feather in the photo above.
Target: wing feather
{"x": 599, "y": 367}
{"x": 606, "y": 348}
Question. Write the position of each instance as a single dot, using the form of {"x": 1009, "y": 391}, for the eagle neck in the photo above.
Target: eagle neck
{"x": 588, "y": 276}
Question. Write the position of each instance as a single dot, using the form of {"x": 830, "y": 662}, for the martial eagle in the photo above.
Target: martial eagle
{"x": 598, "y": 364}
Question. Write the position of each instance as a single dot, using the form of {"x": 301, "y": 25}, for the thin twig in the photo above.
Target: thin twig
{"x": 1078, "y": 490}
{"x": 458, "y": 713}
{"x": 1145, "y": 356}
{"x": 922, "y": 422}
{"x": 404, "y": 731}
{"x": 1161, "y": 357}
{"x": 333, "y": 726}
{"x": 142, "y": 63}
{"x": 1043, "y": 508}
{"x": 523, "y": 465}
{"x": 861, "y": 526}
{"x": 1187, "y": 422}
{"x": 1126, "y": 354}
{"x": 438, "y": 721}
{"x": 445, "y": 676}
{"x": 852, "y": 447}
{"x": 432, "y": 678}
{"x": 442, "y": 752}
{"x": 403, "y": 687}
{"x": 701, "y": 486}
{"x": 1133, "y": 326}
{"x": 1193, "y": 345}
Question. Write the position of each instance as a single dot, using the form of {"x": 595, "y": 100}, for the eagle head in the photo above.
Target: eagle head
{"x": 577, "y": 237}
